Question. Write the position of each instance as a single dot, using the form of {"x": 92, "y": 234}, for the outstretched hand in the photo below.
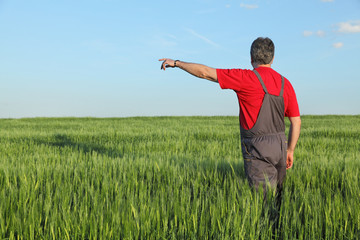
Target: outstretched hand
{"x": 167, "y": 62}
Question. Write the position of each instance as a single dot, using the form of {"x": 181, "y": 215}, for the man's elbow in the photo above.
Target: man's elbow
{"x": 211, "y": 78}
{"x": 295, "y": 121}
{"x": 209, "y": 74}
{"x": 203, "y": 74}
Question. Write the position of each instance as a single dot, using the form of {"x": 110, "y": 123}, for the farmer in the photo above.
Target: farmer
{"x": 265, "y": 97}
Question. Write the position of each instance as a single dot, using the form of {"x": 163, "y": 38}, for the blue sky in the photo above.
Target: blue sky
{"x": 99, "y": 58}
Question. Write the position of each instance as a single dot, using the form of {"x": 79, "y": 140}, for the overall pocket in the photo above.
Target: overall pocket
{"x": 245, "y": 149}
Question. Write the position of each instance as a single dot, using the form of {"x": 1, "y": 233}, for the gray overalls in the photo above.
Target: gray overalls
{"x": 264, "y": 145}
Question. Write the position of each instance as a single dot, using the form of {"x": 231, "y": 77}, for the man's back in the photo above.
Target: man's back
{"x": 250, "y": 92}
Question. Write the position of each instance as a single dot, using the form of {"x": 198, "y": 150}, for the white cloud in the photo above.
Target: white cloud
{"x": 248, "y": 6}
{"x": 338, "y": 45}
{"x": 307, "y": 33}
{"x": 349, "y": 27}
{"x": 227, "y": 5}
{"x": 320, "y": 33}
{"x": 205, "y": 39}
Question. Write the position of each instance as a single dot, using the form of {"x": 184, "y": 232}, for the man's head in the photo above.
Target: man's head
{"x": 262, "y": 51}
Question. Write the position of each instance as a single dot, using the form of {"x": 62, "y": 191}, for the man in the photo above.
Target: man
{"x": 265, "y": 97}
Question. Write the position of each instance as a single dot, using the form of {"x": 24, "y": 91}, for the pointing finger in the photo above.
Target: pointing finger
{"x": 163, "y": 65}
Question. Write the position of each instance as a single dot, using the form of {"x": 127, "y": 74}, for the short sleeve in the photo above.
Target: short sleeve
{"x": 292, "y": 109}
{"x": 230, "y": 78}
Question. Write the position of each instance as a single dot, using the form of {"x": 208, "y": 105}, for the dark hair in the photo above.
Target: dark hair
{"x": 262, "y": 50}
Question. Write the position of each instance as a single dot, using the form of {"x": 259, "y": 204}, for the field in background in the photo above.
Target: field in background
{"x": 171, "y": 178}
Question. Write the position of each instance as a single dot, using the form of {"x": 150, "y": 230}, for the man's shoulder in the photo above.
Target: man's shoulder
{"x": 235, "y": 72}
{"x": 235, "y": 78}
{"x": 275, "y": 73}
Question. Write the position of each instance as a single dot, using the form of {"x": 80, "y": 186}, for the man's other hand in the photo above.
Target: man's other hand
{"x": 289, "y": 159}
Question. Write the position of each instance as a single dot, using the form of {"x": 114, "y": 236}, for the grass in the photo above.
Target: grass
{"x": 171, "y": 178}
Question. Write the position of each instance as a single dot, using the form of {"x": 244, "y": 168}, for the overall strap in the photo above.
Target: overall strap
{"x": 264, "y": 87}
{"x": 282, "y": 86}
{"x": 261, "y": 81}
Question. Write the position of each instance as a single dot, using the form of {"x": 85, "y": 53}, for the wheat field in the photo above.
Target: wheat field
{"x": 171, "y": 178}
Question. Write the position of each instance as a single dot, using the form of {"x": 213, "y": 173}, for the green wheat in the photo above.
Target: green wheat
{"x": 171, "y": 178}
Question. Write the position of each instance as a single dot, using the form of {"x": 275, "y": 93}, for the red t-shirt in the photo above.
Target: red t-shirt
{"x": 250, "y": 92}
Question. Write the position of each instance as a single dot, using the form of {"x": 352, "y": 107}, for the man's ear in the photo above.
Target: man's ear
{"x": 272, "y": 60}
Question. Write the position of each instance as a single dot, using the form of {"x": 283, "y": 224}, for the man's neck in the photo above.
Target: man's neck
{"x": 255, "y": 65}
